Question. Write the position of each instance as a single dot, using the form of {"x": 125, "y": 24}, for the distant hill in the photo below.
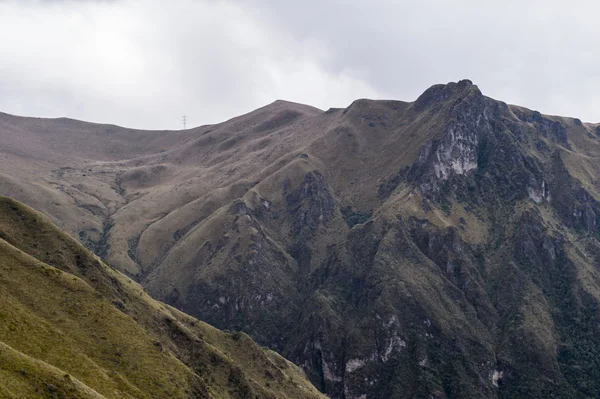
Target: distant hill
{"x": 441, "y": 248}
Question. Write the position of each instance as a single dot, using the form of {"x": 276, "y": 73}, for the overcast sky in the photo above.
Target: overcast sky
{"x": 146, "y": 63}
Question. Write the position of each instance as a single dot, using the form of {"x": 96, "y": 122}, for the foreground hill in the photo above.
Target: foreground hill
{"x": 446, "y": 247}
{"x": 70, "y": 327}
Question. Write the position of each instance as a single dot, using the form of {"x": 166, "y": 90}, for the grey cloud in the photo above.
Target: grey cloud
{"x": 538, "y": 53}
{"x": 145, "y": 63}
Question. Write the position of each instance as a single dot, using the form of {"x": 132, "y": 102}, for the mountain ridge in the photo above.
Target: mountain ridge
{"x": 392, "y": 249}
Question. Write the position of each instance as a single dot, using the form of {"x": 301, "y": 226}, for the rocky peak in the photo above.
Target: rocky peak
{"x": 442, "y": 94}
{"x": 456, "y": 150}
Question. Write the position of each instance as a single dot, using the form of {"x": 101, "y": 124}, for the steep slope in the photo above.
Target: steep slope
{"x": 442, "y": 248}
{"x": 72, "y": 327}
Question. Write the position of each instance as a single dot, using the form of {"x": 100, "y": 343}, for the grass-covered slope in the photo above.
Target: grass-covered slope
{"x": 71, "y": 327}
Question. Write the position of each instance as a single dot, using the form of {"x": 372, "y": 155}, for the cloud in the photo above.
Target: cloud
{"x": 535, "y": 53}
{"x": 145, "y": 64}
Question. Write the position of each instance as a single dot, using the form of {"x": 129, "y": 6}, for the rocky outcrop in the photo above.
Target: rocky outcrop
{"x": 546, "y": 127}
{"x": 309, "y": 205}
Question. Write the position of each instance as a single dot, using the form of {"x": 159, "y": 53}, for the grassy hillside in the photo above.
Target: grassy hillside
{"x": 71, "y": 327}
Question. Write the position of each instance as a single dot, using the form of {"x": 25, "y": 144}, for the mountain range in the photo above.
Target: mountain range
{"x": 441, "y": 248}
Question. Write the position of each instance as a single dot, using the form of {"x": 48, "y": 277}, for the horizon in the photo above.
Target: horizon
{"x": 145, "y": 65}
{"x": 195, "y": 126}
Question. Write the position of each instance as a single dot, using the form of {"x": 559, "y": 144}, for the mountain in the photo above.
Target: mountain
{"x": 71, "y": 327}
{"x": 441, "y": 248}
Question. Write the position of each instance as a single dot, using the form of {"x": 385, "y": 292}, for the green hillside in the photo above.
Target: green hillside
{"x": 71, "y": 327}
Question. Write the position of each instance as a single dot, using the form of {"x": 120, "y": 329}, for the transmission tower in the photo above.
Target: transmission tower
{"x": 184, "y": 120}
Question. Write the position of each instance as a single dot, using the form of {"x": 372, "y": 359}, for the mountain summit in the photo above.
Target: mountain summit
{"x": 441, "y": 248}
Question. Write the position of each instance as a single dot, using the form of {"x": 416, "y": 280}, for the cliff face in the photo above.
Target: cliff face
{"x": 442, "y": 248}
{"x": 472, "y": 278}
